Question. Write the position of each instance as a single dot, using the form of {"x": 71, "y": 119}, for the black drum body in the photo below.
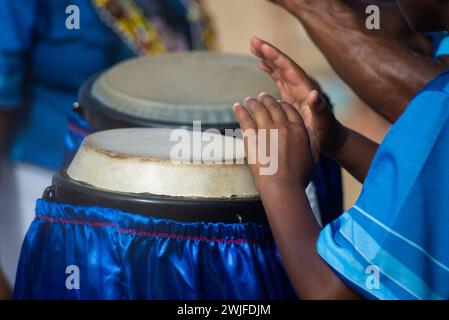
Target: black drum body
{"x": 233, "y": 210}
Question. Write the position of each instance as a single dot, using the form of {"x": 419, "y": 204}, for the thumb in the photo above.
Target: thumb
{"x": 315, "y": 102}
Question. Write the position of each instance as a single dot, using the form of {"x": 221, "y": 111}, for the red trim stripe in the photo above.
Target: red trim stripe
{"x": 145, "y": 233}
{"x": 78, "y": 130}
{"x": 65, "y": 221}
{"x": 183, "y": 237}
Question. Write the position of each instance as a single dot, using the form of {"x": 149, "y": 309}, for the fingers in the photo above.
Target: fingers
{"x": 271, "y": 57}
{"x": 277, "y": 60}
{"x": 276, "y": 111}
{"x": 315, "y": 101}
{"x": 282, "y": 70}
{"x": 265, "y": 112}
{"x": 244, "y": 118}
{"x": 255, "y": 47}
{"x": 265, "y": 67}
{"x": 291, "y": 113}
{"x": 282, "y": 86}
{"x": 259, "y": 112}
{"x": 313, "y": 106}
{"x": 274, "y": 74}
{"x": 275, "y": 57}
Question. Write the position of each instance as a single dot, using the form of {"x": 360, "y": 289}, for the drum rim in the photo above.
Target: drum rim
{"x": 87, "y": 100}
{"x": 232, "y": 210}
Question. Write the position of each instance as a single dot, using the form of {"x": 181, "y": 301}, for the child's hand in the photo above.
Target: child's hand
{"x": 292, "y": 81}
{"x": 296, "y": 87}
{"x": 292, "y": 140}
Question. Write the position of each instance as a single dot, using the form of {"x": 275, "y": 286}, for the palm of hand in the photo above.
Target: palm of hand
{"x": 295, "y": 87}
{"x": 295, "y": 93}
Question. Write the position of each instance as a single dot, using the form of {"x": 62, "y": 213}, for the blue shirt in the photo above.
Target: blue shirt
{"x": 42, "y": 66}
{"x": 440, "y": 44}
{"x": 392, "y": 244}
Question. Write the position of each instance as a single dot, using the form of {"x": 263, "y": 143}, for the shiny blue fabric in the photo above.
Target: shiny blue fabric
{"x": 77, "y": 129}
{"x": 129, "y": 256}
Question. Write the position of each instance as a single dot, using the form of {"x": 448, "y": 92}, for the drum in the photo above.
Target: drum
{"x": 152, "y": 213}
{"x": 175, "y": 89}
{"x": 131, "y": 170}
{"x": 172, "y": 90}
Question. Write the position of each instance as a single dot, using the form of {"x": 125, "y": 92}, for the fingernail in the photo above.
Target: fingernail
{"x": 236, "y": 106}
{"x": 262, "y": 94}
{"x": 247, "y": 98}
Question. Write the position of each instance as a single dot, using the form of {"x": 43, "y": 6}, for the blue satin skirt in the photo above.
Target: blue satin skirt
{"x": 77, "y": 129}
{"x": 75, "y": 252}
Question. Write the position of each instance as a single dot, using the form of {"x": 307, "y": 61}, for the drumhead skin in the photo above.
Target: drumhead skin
{"x": 176, "y": 89}
{"x": 166, "y": 162}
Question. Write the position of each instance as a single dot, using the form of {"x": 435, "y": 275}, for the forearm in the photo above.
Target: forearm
{"x": 5, "y": 117}
{"x": 5, "y": 290}
{"x": 353, "y": 151}
{"x": 393, "y": 24}
{"x": 371, "y": 65}
{"x": 5, "y": 120}
{"x": 296, "y": 232}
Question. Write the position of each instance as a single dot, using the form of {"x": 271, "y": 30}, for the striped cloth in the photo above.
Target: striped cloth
{"x": 394, "y": 242}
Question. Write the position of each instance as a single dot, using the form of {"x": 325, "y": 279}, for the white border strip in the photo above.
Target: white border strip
{"x": 414, "y": 245}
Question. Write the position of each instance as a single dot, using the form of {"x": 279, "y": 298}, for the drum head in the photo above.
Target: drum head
{"x": 176, "y": 89}
{"x": 168, "y": 162}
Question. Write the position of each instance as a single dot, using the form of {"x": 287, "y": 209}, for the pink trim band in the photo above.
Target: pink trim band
{"x": 65, "y": 221}
{"x": 183, "y": 237}
{"x": 74, "y": 128}
{"x": 145, "y": 233}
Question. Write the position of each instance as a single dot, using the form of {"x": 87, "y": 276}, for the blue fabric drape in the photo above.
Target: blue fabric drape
{"x": 77, "y": 129}
{"x": 127, "y": 256}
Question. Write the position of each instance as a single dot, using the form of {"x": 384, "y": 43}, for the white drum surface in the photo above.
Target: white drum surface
{"x": 182, "y": 87}
{"x": 171, "y": 162}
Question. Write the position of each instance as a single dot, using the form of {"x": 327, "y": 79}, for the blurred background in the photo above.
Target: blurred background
{"x": 237, "y": 21}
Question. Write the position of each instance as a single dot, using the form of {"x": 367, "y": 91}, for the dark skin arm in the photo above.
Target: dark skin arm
{"x": 350, "y": 149}
{"x": 5, "y": 118}
{"x": 283, "y": 195}
{"x": 370, "y": 64}
{"x": 305, "y": 127}
{"x": 356, "y": 154}
{"x": 393, "y": 25}
{"x": 296, "y": 234}
{"x": 5, "y": 290}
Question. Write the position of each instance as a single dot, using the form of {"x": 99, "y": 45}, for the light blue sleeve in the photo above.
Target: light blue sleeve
{"x": 443, "y": 48}
{"x": 17, "y": 21}
{"x": 392, "y": 244}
